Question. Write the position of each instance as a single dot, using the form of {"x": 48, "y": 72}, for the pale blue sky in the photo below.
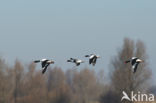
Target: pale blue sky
{"x": 60, "y": 29}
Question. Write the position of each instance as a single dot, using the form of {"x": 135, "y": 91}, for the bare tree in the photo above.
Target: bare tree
{"x": 85, "y": 86}
{"x": 58, "y": 90}
{"x": 18, "y": 72}
{"x": 34, "y": 86}
{"x": 5, "y": 82}
{"x": 122, "y": 77}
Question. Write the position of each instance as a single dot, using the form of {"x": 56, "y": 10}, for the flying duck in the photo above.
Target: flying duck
{"x": 76, "y": 61}
{"x": 92, "y": 58}
{"x": 134, "y": 62}
{"x": 44, "y": 63}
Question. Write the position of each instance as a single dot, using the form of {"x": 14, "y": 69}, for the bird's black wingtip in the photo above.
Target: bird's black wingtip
{"x": 86, "y": 55}
{"x": 68, "y": 60}
{"x": 36, "y": 61}
{"x": 43, "y": 71}
{"x": 71, "y": 58}
{"x": 127, "y": 61}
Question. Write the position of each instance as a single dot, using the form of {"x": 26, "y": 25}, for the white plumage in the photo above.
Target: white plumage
{"x": 92, "y": 58}
{"x": 76, "y": 61}
{"x": 134, "y": 62}
{"x": 44, "y": 63}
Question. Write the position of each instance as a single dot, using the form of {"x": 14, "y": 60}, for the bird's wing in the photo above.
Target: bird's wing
{"x": 42, "y": 60}
{"x": 36, "y": 61}
{"x": 135, "y": 67}
{"x": 78, "y": 61}
{"x": 94, "y": 61}
{"x": 69, "y": 60}
{"x": 72, "y": 58}
{"x": 91, "y": 60}
{"x": 87, "y": 56}
{"x": 134, "y": 57}
{"x": 45, "y": 68}
{"x": 92, "y": 56}
{"x": 133, "y": 61}
{"x": 44, "y": 63}
{"x": 75, "y": 60}
{"x": 77, "y": 64}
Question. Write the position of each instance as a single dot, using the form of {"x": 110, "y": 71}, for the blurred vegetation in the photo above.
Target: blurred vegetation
{"x": 26, "y": 84}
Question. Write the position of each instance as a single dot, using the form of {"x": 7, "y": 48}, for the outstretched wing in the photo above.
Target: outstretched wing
{"x": 134, "y": 60}
{"x": 94, "y": 61}
{"x": 36, "y": 61}
{"x": 91, "y": 60}
{"x": 73, "y": 60}
{"x": 77, "y": 64}
{"x": 44, "y": 63}
{"x": 69, "y": 60}
{"x": 87, "y": 56}
{"x": 45, "y": 68}
{"x": 135, "y": 66}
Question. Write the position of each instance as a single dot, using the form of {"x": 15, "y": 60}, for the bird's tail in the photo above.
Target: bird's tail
{"x": 127, "y": 61}
{"x": 36, "y": 61}
{"x": 86, "y": 55}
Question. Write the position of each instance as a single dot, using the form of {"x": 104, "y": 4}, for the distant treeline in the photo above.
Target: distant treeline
{"x": 26, "y": 84}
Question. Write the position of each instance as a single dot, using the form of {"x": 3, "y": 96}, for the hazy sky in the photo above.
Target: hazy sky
{"x": 60, "y": 29}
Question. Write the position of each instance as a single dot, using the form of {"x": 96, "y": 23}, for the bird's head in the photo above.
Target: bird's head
{"x": 98, "y": 56}
{"x": 51, "y": 61}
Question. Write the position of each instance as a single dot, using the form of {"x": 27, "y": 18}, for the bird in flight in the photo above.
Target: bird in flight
{"x": 92, "y": 58}
{"x": 44, "y": 63}
{"x": 76, "y": 61}
{"x": 134, "y": 62}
